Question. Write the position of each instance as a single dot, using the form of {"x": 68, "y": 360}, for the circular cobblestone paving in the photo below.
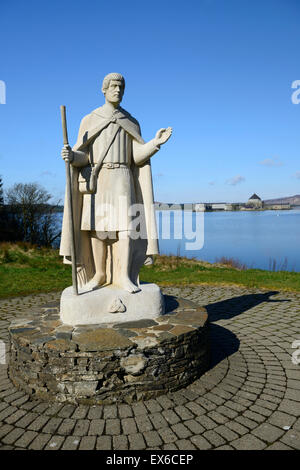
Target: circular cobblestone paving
{"x": 249, "y": 399}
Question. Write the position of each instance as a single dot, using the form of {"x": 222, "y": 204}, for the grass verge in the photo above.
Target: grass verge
{"x": 26, "y": 269}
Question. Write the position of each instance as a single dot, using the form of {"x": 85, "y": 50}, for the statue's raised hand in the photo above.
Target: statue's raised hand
{"x": 163, "y": 135}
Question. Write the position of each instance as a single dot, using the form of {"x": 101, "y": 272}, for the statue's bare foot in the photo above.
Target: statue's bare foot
{"x": 126, "y": 284}
{"x": 96, "y": 281}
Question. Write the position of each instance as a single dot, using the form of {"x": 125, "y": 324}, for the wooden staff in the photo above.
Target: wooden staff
{"x": 69, "y": 201}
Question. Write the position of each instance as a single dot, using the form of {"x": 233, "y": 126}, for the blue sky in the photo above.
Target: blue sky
{"x": 218, "y": 71}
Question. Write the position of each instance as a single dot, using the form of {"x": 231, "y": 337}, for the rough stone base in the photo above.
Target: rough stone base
{"x": 110, "y": 305}
{"x": 107, "y": 363}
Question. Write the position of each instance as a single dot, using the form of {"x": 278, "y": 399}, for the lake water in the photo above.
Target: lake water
{"x": 259, "y": 239}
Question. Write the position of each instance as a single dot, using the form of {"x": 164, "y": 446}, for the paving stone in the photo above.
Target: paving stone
{"x": 40, "y": 408}
{"x": 55, "y": 443}
{"x": 292, "y": 439}
{"x": 217, "y": 417}
{"x": 153, "y": 406}
{"x": 208, "y": 405}
{"x": 125, "y": 411}
{"x": 96, "y": 427}
{"x": 206, "y": 422}
{"x": 112, "y": 427}
{"x": 15, "y": 416}
{"x": 227, "y": 433}
{"x": 152, "y": 438}
{"x": 248, "y": 442}
{"x": 268, "y": 433}
{"x": 254, "y": 416}
{"x": 158, "y": 421}
{"x": 170, "y": 446}
{"x": 227, "y": 412}
{"x": 104, "y": 443}
{"x": 195, "y": 408}
{"x": 291, "y": 407}
{"x": 165, "y": 402}
{"x": 225, "y": 447}
{"x": 7, "y": 412}
{"x": 179, "y": 398}
{"x": 38, "y": 423}
{"x": 53, "y": 409}
{"x": 20, "y": 401}
{"x": 183, "y": 412}
{"x": 81, "y": 427}
{"x": 3, "y": 405}
{"x": 136, "y": 442}
{"x": 66, "y": 427}
{"x": 280, "y": 419}
{"x": 296, "y": 425}
{"x": 26, "y": 420}
{"x": 40, "y": 441}
{"x": 181, "y": 431}
{"x": 128, "y": 426}
{"x": 215, "y": 398}
{"x": 143, "y": 423}
{"x": 12, "y": 436}
{"x": 278, "y": 446}
{"x": 214, "y": 438}
{"x": 194, "y": 426}
{"x": 237, "y": 427}
{"x": 28, "y": 406}
{"x": 71, "y": 443}
{"x": 201, "y": 443}
{"x": 5, "y": 429}
{"x": 79, "y": 413}
{"x": 167, "y": 435}
{"x": 110, "y": 412}
{"x": 87, "y": 443}
{"x": 120, "y": 443}
{"x": 67, "y": 411}
{"x": 52, "y": 425}
{"x": 184, "y": 444}
{"x": 95, "y": 412}
{"x": 139, "y": 409}
{"x": 26, "y": 439}
{"x": 244, "y": 421}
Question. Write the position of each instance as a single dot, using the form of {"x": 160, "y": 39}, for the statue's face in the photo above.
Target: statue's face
{"x": 114, "y": 92}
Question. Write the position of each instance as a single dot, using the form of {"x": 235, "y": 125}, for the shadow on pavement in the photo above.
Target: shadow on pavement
{"x": 223, "y": 342}
{"x": 227, "y": 309}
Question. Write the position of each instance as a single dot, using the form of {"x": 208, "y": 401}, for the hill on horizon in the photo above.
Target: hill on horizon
{"x": 293, "y": 200}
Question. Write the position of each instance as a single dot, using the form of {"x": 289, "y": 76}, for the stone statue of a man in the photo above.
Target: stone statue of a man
{"x": 111, "y": 173}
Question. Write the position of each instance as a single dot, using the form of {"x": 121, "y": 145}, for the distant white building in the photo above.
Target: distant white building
{"x": 219, "y": 206}
{"x": 200, "y": 207}
{"x": 254, "y": 201}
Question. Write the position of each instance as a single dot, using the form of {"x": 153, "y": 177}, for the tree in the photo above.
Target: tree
{"x": 31, "y": 215}
{"x": 1, "y": 192}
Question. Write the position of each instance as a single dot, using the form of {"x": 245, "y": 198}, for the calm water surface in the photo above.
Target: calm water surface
{"x": 257, "y": 239}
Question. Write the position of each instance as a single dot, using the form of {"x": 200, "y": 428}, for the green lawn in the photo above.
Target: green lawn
{"x": 25, "y": 269}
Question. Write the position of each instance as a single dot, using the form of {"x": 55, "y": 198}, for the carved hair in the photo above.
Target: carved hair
{"x": 112, "y": 76}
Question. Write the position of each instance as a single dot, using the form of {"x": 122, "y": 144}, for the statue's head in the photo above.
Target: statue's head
{"x": 113, "y": 87}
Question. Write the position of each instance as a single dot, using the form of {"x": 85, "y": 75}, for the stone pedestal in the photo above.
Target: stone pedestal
{"x": 110, "y": 305}
{"x": 110, "y": 362}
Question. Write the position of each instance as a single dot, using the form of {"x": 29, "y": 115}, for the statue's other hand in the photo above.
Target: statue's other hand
{"x": 163, "y": 135}
{"x": 67, "y": 153}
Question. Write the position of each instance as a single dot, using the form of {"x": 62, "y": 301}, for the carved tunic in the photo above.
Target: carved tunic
{"x": 108, "y": 210}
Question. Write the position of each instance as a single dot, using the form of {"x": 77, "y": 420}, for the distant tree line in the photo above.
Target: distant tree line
{"x": 26, "y": 214}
